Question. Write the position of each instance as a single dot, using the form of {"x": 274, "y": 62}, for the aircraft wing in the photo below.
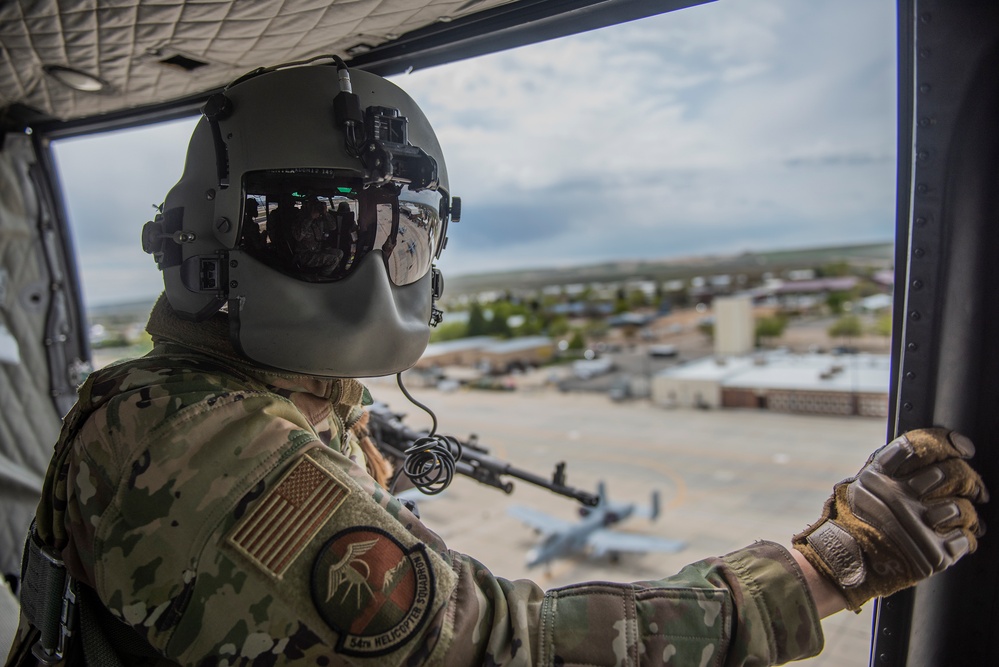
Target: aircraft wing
{"x": 539, "y": 521}
{"x": 605, "y": 541}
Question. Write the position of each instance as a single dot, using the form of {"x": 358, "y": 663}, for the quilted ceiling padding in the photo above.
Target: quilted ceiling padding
{"x": 134, "y": 45}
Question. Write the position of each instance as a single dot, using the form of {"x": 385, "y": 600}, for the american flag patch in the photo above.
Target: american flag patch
{"x": 276, "y": 531}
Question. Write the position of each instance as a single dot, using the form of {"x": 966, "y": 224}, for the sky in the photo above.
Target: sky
{"x": 732, "y": 126}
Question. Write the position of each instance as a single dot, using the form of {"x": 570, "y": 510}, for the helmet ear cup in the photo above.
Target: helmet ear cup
{"x": 188, "y": 249}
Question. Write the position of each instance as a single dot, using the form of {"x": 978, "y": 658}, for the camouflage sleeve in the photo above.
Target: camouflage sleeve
{"x": 235, "y": 537}
{"x": 750, "y": 607}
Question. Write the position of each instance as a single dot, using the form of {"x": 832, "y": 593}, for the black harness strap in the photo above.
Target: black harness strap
{"x": 61, "y": 609}
{"x": 48, "y": 599}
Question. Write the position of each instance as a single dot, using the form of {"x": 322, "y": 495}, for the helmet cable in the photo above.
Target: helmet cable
{"x": 431, "y": 459}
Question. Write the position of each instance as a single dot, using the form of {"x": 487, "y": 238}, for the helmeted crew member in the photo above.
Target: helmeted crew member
{"x": 218, "y": 501}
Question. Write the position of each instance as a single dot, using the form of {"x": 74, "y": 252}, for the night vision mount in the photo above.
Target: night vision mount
{"x": 379, "y": 138}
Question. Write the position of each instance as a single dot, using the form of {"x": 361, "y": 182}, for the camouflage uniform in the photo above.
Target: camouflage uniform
{"x": 226, "y": 514}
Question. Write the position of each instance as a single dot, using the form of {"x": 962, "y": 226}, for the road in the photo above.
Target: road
{"x": 727, "y": 478}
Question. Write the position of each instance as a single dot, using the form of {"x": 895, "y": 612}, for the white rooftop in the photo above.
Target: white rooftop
{"x": 486, "y": 344}
{"x": 710, "y": 368}
{"x": 516, "y": 344}
{"x": 457, "y": 345}
{"x": 868, "y": 373}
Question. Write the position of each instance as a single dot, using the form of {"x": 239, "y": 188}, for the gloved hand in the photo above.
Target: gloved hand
{"x": 906, "y": 515}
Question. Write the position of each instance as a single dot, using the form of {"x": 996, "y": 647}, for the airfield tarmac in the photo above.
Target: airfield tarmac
{"x": 726, "y": 479}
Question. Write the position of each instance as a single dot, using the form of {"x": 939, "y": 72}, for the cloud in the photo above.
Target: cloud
{"x": 111, "y": 182}
{"x": 722, "y": 127}
{"x": 759, "y": 123}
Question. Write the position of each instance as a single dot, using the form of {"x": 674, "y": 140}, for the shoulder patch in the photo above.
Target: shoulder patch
{"x": 286, "y": 519}
{"x": 372, "y": 590}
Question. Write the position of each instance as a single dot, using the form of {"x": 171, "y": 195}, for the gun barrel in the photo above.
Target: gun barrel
{"x": 394, "y": 438}
{"x": 555, "y": 485}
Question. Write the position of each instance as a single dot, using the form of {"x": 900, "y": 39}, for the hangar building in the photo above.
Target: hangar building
{"x": 847, "y": 384}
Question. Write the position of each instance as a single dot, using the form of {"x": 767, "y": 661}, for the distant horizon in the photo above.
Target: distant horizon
{"x": 665, "y": 261}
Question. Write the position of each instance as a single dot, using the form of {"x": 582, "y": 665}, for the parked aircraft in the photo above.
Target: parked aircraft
{"x": 593, "y": 534}
{"x": 160, "y": 63}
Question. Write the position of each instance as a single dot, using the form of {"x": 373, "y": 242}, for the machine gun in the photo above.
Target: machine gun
{"x": 393, "y": 438}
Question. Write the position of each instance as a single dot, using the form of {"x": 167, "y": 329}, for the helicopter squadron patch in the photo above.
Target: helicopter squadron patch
{"x": 372, "y": 590}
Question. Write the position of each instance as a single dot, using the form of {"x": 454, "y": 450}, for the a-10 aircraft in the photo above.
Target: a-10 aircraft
{"x": 593, "y": 534}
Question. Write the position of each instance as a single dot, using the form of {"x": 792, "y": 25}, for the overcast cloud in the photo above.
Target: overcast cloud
{"x": 737, "y": 125}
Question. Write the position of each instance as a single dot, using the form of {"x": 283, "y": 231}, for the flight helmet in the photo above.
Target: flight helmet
{"x": 313, "y": 203}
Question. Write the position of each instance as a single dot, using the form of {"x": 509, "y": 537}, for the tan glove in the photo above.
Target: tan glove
{"x": 906, "y": 515}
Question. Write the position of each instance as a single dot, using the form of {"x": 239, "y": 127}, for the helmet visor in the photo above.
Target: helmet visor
{"x": 318, "y": 225}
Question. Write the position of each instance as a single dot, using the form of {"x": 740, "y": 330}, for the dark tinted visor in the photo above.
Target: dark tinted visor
{"x": 317, "y": 225}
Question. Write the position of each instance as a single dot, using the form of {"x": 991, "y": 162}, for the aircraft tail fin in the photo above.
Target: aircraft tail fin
{"x": 601, "y": 493}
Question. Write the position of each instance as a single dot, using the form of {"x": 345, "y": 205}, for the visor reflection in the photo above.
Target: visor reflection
{"x": 321, "y": 232}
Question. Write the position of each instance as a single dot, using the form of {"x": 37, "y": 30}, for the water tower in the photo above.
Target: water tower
{"x": 735, "y": 329}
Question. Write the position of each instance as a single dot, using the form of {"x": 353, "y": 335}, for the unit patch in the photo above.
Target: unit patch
{"x": 372, "y": 590}
{"x": 283, "y": 523}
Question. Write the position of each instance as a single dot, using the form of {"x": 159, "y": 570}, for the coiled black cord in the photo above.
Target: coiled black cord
{"x": 430, "y": 460}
